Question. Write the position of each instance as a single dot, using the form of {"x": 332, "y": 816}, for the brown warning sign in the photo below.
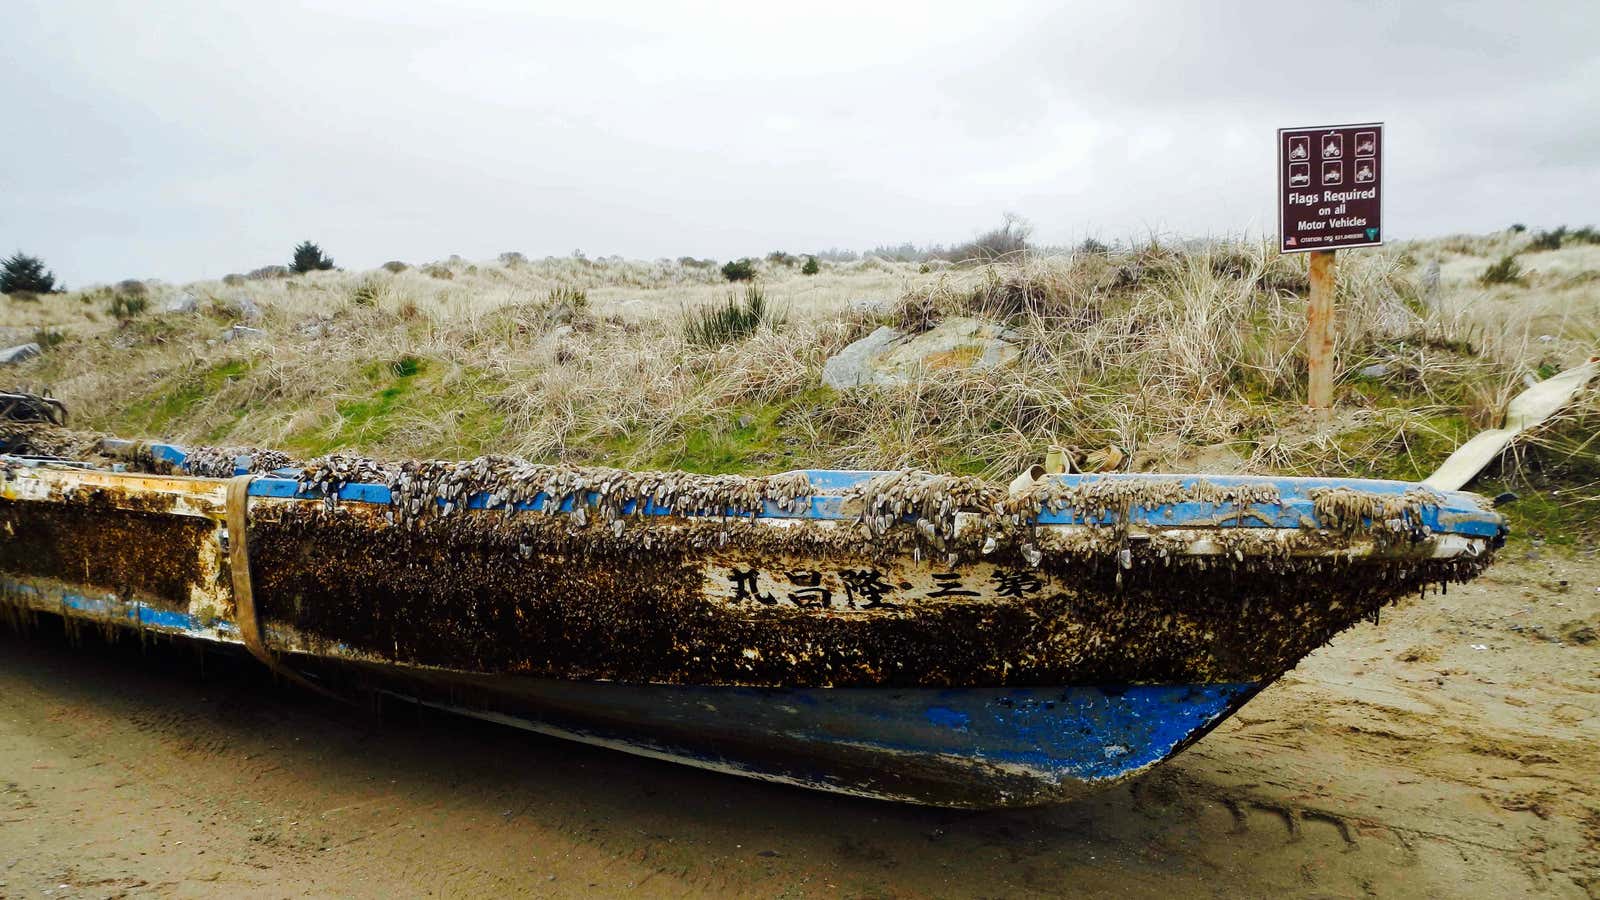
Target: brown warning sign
{"x": 1330, "y": 187}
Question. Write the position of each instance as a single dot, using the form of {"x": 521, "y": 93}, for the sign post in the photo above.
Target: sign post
{"x": 1319, "y": 331}
{"x": 1329, "y": 197}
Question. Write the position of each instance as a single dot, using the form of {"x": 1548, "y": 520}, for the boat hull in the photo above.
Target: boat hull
{"x": 1031, "y": 651}
{"x": 951, "y": 747}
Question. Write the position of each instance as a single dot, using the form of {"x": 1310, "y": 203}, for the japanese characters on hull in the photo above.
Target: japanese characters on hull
{"x": 868, "y": 588}
{"x": 1330, "y": 187}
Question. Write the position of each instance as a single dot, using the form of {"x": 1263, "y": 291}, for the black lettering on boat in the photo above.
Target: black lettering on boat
{"x": 948, "y": 584}
{"x": 1016, "y": 582}
{"x": 811, "y": 592}
{"x": 745, "y": 587}
{"x": 866, "y": 584}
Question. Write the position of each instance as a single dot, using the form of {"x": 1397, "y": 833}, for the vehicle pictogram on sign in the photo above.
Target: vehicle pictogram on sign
{"x": 1333, "y": 172}
{"x": 1366, "y": 143}
{"x": 1333, "y": 146}
{"x": 1300, "y": 147}
{"x": 1366, "y": 171}
{"x": 1299, "y": 174}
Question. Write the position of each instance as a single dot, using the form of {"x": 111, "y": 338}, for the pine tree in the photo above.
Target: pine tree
{"x": 308, "y": 257}
{"x": 23, "y": 274}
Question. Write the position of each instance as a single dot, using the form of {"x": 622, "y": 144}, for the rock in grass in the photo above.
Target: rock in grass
{"x": 246, "y": 308}
{"x": 852, "y": 366}
{"x": 19, "y": 353}
{"x": 887, "y": 356}
{"x": 183, "y": 304}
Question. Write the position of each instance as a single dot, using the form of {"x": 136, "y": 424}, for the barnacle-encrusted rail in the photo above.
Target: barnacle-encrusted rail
{"x": 895, "y": 634}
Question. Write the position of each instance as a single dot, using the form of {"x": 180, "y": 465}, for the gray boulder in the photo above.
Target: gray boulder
{"x": 247, "y": 308}
{"x": 852, "y": 366}
{"x": 888, "y": 357}
{"x": 19, "y": 353}
{"x": 183, "y": 304}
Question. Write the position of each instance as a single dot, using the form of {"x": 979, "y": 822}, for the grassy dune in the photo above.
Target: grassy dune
{"x": 1188, "y": 358}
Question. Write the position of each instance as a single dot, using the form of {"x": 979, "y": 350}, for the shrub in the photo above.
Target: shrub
{"x": 1506, "y": 271}
{"x": 233, "y": 279}
{"x": 1588, "y": 234}
{"x": 566, "y": 304}
{"x": 435, "y": 270}
{"x": 395, "y": 266}
{"x": 133, "y": 287}
{"x": 740, "y": 270}
{"x": 23, "y": 274}
{"x": 1517, "y": 228}
{"x": 780, "y": 258}
{"x": 266, "y": 272}
{"x": 1548, "y": 240}
{"x": 1090, "y": 245}
{"x": 906, "y": 252}
{"x": 308, "y": 257}
{"x": 127, "y": 307}
{"x": 734, "y": 320}
{"x": 49, "y": 337}
{"x": 811, "y": 267}
{"x": 367, "y": 293}
{"x": 689, "y": 262}
{"x": 576, "y": 299}
{"x": 406, "y": 367}
{"x": 1010, "y": 238}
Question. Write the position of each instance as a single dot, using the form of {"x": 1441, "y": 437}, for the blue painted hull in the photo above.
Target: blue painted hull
{"x": 956, "y": 747}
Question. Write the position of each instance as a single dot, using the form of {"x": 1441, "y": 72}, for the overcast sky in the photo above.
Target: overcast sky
{"x": 191, "y": 138}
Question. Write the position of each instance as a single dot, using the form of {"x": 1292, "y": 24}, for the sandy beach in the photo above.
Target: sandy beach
{"x": 1449, "y": 750}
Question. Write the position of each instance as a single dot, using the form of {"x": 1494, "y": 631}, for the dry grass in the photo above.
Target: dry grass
{"x": 1186, "y": 357}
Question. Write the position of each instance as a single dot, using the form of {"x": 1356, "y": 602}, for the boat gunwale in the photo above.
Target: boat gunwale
{"x": 1458, "y": 512}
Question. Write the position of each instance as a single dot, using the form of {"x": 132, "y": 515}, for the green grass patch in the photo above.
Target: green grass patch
{"x": 412, "y": 408}
{"x": 747, "y": 438}
{"x": 963, "y": 464}
{"x": 366, "y": 421}
{"x": 1410, "y": 453}
{"x": 1541, "y": 514}
{"x": 178, "y": 397}
{"x": 744, "y": 439}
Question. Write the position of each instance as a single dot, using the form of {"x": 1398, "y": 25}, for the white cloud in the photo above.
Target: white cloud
{"x": 194, "y": 138}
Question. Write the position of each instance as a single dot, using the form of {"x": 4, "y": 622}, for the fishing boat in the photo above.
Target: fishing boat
{"x": 899, "y": 635}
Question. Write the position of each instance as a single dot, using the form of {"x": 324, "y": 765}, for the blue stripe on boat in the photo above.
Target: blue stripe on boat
{"x": 1458, "y": 514}
{"x": 131, "y": 614}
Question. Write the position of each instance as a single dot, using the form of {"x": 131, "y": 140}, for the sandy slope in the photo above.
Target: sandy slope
{"x": 1400, "y": 761}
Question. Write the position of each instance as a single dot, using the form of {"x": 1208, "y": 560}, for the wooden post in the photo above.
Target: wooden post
{"x": 1319, "y": 331}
